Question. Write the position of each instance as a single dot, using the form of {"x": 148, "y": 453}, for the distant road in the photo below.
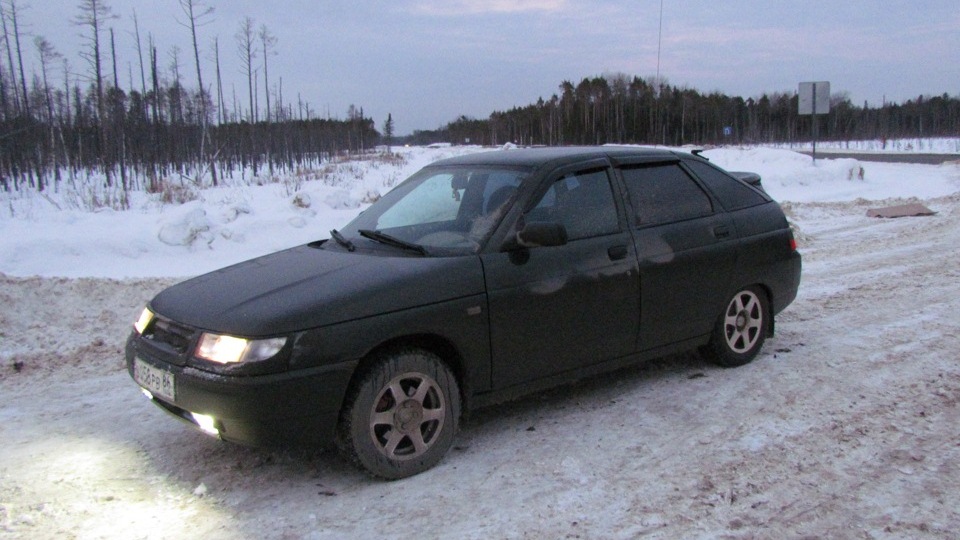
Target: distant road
{"x": 887, "y": 157}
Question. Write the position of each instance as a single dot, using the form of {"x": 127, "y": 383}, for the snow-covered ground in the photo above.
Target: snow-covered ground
{"x": 847, "y": 425}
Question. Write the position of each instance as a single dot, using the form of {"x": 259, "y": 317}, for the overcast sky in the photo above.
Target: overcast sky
{"x": 428, "y": 61}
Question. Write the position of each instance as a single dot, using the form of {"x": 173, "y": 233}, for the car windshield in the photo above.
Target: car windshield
{"x": 444, "y": 210}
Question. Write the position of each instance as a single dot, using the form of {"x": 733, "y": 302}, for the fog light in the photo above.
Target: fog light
{"x": 147, "y": 393}
{"x": 206, "y": 423}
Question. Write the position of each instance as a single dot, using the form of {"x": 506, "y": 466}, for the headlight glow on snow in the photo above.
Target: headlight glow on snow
{"x": 231, "y": 350}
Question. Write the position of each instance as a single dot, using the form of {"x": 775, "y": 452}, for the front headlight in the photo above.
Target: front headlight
{"x": 232, "y": 350}
{"x": 145, "y": 317}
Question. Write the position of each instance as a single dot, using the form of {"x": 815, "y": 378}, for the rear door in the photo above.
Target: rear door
{"x": 554, "y": 309}
{"x": 686, "y": 251}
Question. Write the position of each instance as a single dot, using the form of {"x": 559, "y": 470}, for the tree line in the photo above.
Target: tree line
{"x": 622, "y": 109}
{"x": 53, "y": 131}
{"x": 60, "y": 124}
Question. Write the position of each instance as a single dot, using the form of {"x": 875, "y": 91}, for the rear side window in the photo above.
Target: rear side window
{"x": 731, "y": 193}
{"x": 664, "y": 193}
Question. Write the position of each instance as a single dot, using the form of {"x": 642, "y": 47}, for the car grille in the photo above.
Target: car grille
{"x": 173, "y": 335}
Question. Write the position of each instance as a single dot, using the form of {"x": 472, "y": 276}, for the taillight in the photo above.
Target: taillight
{"x": 793, "y": 244}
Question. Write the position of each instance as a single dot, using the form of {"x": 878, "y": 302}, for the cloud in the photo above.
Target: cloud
{"x": 457, "y": 8}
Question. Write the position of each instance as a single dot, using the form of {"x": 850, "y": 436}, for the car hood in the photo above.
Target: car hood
{"x": 307, "y": 287}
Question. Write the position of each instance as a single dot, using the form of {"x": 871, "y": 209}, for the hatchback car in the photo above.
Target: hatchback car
{"x": 478, "y": 279}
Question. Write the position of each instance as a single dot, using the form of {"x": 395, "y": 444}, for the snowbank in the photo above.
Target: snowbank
{"x": 230, "y": 224}
{"x": 790, "y": 176}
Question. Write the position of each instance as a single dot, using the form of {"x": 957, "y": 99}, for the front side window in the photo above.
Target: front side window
{"x": 664, "y": 193}
{"x": 582, "y": 202}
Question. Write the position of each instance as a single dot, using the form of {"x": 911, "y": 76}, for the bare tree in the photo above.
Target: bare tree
{"x": 117, "y": 121}
{"x": 198, "y": 14}
{"x": 93, "y": 14}
{"x": 154, "y": 80}
{"x": 136, "y": 35}
{"x": 66, "y": 120}
{"x": 12, "y": 4}
{"x": 267, "y": 41}
{"x": 216, "y": 59}
{"x": 113, "y": 58}
{"x": 245, "y": 49}
{"x": 5, "y": 111}
{"x": 6, "y": 39}
{"x": 176, "y": 89}
{"x": 47, "y": 55}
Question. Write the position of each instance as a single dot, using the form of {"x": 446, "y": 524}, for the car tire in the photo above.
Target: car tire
{"x": 741, "y": 329}
{"x": 401, "y": 416}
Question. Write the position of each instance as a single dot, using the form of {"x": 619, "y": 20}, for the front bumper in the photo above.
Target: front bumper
{"x": 296, "y": 407}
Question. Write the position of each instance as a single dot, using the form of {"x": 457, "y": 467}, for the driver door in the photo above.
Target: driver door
{"x": 554, "y": 309}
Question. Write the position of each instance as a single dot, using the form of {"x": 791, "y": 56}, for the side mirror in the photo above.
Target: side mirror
{"x": 542, "y": 234}
{"x": 459, "y": 181}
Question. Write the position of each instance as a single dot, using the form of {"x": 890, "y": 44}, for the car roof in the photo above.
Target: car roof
{"x": 556, "y": 156}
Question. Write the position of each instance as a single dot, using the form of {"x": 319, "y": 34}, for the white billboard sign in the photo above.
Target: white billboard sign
{"x": 814, "y": 98}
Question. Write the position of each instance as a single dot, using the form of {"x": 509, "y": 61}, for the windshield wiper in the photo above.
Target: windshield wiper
{"x": 385, "y": 238}
{"x": 335, "y": 234}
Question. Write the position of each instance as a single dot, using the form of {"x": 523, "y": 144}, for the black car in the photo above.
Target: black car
{"x": 478, "y": 279}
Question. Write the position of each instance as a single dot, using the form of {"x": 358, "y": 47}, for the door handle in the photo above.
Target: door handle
{"x": 721, "y": 232}
{"x": 617, "y": 252}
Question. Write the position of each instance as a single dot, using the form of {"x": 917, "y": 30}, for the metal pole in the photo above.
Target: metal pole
{"x": 814, "y": 117}
{"x": 660, "y": 126}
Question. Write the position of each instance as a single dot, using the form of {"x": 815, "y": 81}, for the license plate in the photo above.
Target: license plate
{"x": 158, "y": 381}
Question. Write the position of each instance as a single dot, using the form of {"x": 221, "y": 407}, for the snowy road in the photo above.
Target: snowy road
{"x": 886, "y": 157}
{"x": 848, "y": 425}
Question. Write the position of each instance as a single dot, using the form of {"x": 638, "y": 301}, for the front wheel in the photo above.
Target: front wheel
{"x": 740, "y": 331}
{"x": 402, "y": 415}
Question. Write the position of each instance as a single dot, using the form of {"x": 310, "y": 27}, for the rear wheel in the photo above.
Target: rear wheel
{"x": 402, "y": 415}
{"x": 740, "y": 331}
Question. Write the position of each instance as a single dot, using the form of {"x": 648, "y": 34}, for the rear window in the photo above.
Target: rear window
{"x": 732, "y": 193}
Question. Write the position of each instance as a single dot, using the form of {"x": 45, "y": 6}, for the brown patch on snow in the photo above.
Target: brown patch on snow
{"x": 903, "y": 210}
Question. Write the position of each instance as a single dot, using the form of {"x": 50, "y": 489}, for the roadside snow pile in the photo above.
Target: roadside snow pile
{"x": 187, "y": 228}
{"x": 789, "y": 176}
{"x": 788, "y": 169}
